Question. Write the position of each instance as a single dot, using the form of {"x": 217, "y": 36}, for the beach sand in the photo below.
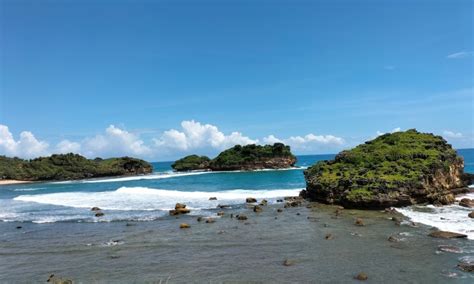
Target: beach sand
{"x": 13, "y": 181}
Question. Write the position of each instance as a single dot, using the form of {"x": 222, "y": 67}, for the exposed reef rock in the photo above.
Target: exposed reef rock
{"x": 397, "y": 169}
{"x": 248, "y": 157}
{"x": 70, "y": 166}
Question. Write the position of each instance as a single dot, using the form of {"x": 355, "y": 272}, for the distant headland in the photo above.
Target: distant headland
{"x": 69, "y": 167}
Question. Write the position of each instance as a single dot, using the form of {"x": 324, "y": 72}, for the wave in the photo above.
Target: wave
{"x": 130, "y": 178}
{"x": 165, "y": 175}
{"x": 146, "y": 199}
{"x": 447, "y": 218}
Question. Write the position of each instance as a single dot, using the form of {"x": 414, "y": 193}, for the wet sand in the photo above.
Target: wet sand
{"x": 321, "y": 246}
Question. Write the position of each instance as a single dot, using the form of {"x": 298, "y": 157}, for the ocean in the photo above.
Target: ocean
{"x": 58, "y": 233}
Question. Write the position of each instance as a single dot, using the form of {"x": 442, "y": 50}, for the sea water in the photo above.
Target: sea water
{"x": 136, "y": 240}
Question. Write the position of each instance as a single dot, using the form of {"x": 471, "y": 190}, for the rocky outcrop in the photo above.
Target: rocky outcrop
{"x": 247, "y": 158}
{"x": 397, "y": 169}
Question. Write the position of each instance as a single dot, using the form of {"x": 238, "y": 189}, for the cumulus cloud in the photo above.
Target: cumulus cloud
{"x": 459, "y": 55}
{"x": 115, "y": 141}
{"x": 451, "y": 134}
{"x": 194, "y": 135}
{"x": 67, "y": 146}
{"x": 27, "y": 146}
{"x": 309, "y": 142}
{"x": 191, "y": 137}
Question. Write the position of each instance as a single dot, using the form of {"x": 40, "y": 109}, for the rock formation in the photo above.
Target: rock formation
{"x": 248, "y": 157}
{"x": 397, "y": 169}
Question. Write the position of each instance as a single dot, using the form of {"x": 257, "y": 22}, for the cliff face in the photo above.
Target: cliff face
{"x": 258, "y": 164}
{"x": 248, "y": 157}
{"x": 396, "y": 169}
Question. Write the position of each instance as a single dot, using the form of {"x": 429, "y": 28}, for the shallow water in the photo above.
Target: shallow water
{"x": 232, "y": 250}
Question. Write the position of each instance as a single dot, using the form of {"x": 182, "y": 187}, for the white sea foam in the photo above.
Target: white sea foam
{"x": 447, "y": 218}
{"x": 143, "y": 198}
{"x": 29, "y": 189}
{"x": 130, "y": 178}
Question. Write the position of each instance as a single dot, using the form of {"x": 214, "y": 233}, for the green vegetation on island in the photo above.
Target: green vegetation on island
{"x": 69, "y": 167}
{"x": 248, "y": 157}
{"x": 191, "y": 162}
{"x": 394, "y": 169}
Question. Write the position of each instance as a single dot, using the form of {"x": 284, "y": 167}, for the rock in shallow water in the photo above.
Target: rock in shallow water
{"x": 179, "y": 208}
{"x": 250, "y": 200}
{"x": 446, "y": 235}
{"x": 184, "y": 226}
{"x": 257, "y": 209}
{"x": 361, "y": 276}
{"x": 359, "y": 222}
{"x": 466, "y": 263}
{"x": 241, "y": 217}
{"x": 466, "y": 202}
{"x": 288, "y": 262}
{"x": 447, "y": 248}
{"x": 393, "y": 239}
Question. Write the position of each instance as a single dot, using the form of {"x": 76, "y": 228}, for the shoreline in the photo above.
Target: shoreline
{"x": 13, "y": 181}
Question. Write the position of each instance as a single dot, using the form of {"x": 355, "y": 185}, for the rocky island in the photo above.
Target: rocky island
{"x": 248, "y": 157}
{"x": 69, "y": 167}
{"x": 397, "y": 169}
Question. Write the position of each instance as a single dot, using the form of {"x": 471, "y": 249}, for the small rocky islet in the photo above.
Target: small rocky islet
{"x": 248, "y": 157}
{"x": 393, "y": 170}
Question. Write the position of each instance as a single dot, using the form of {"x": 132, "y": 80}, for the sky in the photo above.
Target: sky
{"x": 162, "y": 79}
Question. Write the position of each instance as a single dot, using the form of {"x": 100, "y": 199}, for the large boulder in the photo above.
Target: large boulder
{"x": 179, "y": 208}
{"x": 396, "y": 169}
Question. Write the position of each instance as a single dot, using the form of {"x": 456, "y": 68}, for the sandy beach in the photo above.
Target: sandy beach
{"x": 13, "y": 181}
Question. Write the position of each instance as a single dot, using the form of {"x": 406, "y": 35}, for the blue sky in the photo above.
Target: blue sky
{"x": 340, "y": 71}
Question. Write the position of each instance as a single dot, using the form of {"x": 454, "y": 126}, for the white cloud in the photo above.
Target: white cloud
{"x": 67, "y": 146}
{"x": 115, "y": 142}
{"x": 194, "y": 135}
{"x": 26, "y": 147}
{"x": 271, "y": 139}
{"x": 308, "y": 143}
{"x": 398, "y": 129}
{"x": 459, "y": 55}
{"x": 451, "y": 134}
